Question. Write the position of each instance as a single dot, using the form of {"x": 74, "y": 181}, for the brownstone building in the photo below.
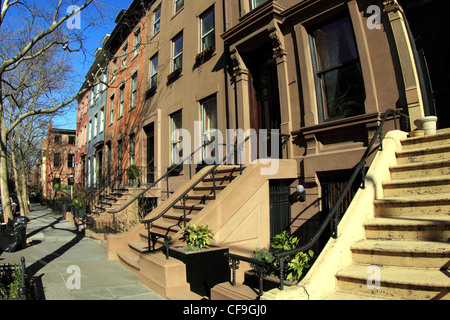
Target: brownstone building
{"x": 59, "y": 162}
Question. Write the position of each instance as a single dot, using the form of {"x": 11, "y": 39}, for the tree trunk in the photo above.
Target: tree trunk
{"x": 6, "y": 202}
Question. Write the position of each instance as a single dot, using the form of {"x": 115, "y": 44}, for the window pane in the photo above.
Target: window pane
{"x": 156, "y": 20}
{"x": 335, "y": 44}
{"x": 208, "y": 34}
{"x": 177, "y": 53}
{"x": 339, "y": 78}
{"x": 178, "y": 5}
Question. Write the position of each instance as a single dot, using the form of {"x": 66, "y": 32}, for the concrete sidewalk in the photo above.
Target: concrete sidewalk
{"x": 56, "y": 246}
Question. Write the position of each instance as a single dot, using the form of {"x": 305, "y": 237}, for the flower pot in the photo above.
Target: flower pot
{"x": 204, "y": 268}
{"x": 428, "y": 124}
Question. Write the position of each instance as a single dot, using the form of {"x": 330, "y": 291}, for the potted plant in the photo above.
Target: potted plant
{"x": 206, "y": 265}
{"x": 133, "y": 175}
{"x": 293, "y": 266}
{"x": 79, "y": 205}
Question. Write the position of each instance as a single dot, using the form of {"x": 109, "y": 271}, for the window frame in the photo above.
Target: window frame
{"x": 156, "y": 20}
{"x": 134, "y": 86}
{"x": 154, "y": 71}
{"x": 174, "y": 128}
{"x": 203, "y": 35}
{"x": 177, "y": 8}
{"x": 179, "y": 55}
{"x": 121, "y": 100}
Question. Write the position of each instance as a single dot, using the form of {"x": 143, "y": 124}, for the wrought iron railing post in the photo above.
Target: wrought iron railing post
{"x": 282, "y": 273}
{"x": 184, "y": 210}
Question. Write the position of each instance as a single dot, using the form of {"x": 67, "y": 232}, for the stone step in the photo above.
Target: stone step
{"x": 424, "y": 154}
{"x": 130, "y": 260}
{"x": 418, "y": 254}
{"x": 435, "y": 204}
{"x": 395, "y": 282}
{"x": 442, "y": 137}
{"x": 417, "y": 186}
{"x": 138, "y": 247}
{"x": 344, "y": 295}
{"x": 190, "y": 209}
{"x": 428, "y": 228}
{"x": 420, "y": 169}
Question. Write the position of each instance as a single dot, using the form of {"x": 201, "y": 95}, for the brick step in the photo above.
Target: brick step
{"x": 420, "y": 169}
{"x": 428, "y": 228}
{"x": 395, "y": 282}
{"x": 418, "y": 254}
{"x": 435, "y": 204}
{"x": 417, "y": 186}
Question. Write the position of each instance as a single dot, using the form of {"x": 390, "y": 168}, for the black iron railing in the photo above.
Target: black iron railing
{"x": 236, "y": 150}
{"x": 332, "y": 215}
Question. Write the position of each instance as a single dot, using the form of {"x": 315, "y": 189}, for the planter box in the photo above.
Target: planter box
{"x": 204, "y": 268}
{"x": 269, "y": 282}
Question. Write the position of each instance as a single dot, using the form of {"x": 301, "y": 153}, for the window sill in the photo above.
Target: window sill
{"x": 204, "y": 56}
{"x": 174, "y": 76}
{"x": 150, "y": 92}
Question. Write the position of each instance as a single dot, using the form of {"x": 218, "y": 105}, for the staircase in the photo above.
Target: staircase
{"x": 407, "y": 244}
{"x": 172, "y": 222}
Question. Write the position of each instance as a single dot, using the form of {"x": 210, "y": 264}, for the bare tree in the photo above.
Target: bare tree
{"x": 28, "y": 34}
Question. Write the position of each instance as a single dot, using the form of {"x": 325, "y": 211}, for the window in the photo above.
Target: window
{"x": 57, "y": 183}
{"x": 208, "y": 37}
{"x": 111, "y": 110}
{"x": 122, "y": 97}
{"x": 124, "y": 55}
{"x": 132, "y": 149}
{"x": 71, "y": 161}
{"x": 154, "y": 71}
{"x": 57, "y": 160}
{"x": 176, "y": 138}
{"x": 102, "y": 119}
{"x": 156, "y": 20}
{"x": 137, "y": 42}
{"x": 178, "y": 5}
{"x": 114, "y": 70}
{"x": 133, "y": 91}
{"x": 256, "y": 3}
{"x": 90, "y": 130}
{"x": 72, "y": 140}
{"x": 209, "y": 124}
{"x": 95, "y": 125}
{"x": 58, "y": 138}
{"x": 177, "y": 52}
{"x": 119, "y": 156}
{"x": 338, "y": 75}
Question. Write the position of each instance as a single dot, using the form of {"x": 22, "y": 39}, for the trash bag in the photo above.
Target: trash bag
{"x": 13, "y": 235}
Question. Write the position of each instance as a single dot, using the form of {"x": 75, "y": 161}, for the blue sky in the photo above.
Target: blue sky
{"x": 110, "y": 9}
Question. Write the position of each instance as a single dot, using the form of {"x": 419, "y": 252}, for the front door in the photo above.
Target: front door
{"x": 264, "y": 96}
{"x": 150, "y": 144}
{"x": 430, "y": 28}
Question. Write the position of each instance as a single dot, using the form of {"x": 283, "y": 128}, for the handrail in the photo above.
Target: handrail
{"x": 360, "y": 167}
{"x": 211, "y": 170}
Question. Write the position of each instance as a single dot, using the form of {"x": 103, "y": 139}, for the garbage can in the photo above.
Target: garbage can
{"x": 13, "y": 235}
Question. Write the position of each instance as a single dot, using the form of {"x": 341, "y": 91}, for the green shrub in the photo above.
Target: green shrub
{"x": 198, "y": 237}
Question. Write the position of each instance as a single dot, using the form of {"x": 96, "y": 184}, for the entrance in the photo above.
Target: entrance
{"x": 430, "y": 28}
{"x": 150, "y": 146}
{"x": 263, "y": 93}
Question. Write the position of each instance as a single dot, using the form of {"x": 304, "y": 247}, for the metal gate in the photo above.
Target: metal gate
{"x": 280, "y": 207}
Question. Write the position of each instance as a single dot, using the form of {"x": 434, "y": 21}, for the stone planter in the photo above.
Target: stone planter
{"x": 428, "y": 124}
{"x": 204, "y": 268}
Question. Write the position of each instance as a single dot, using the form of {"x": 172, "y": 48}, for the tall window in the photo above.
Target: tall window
{"x": 122, "y": 98}
{"x": 339, "y": 81}
{"x": 114, "y": 70}
{"x": 102, "y": 120}
{"x": 209, "y": 125}
{"x": 154, "y": 71}
{"x": 156, "y": 20}
{"x": 137, "y": 42}
{"x": 255, "y": 3}
{"x": 124, "y": 55}
{"x": 177, "y": 52}
{"x": 111, "y": 110}
{"x": 95, "y": 125}
{"x": 178, "y": 5}
{"x": 132, "y": 149}
{"x": 71, "y": 161}
{"x": 133, "y": 91}
{"x": 208, "y": 35}
{"x": 176, "y": 138}
{"x": 57, "y": 160}
{"x": 119, "y": 157}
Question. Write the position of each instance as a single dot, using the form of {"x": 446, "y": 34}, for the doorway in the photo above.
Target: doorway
{"x": 264, "y": 95}
{"x": 150, "y": 152}
{"x": 430, "y": 29}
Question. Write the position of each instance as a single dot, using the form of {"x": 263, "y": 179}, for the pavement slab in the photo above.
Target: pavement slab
{"x": 58, "y": 253}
